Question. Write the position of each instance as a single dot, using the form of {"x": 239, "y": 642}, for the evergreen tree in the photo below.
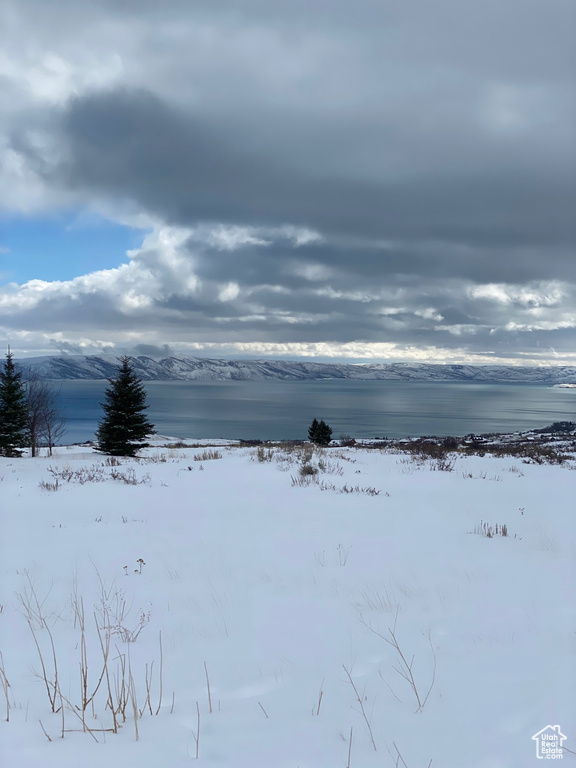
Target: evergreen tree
{"x": 13, "y": 410}
{"x": 124, "y": 427}
{"x": 313, "y": 431}
{"x": 319, "y": 433}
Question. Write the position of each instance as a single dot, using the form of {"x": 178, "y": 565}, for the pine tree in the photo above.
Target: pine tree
{"x": 13, "y": 410}
{"x": 319, "y": 433}
{"x": 124, "y": 427}
{"x": 313, "y": 431}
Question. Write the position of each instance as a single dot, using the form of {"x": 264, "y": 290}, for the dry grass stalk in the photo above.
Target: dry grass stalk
{"x": 320, "y": 695}
{"x": 349, "y": 749}
{"x": 86, "y": 697}
{"x": 197, "y": 734}
{"x": 132, "y": 689}
{"x": 161, "y": 665}
{"x": 208, "y": 455}
{"x": 148, "y": 685}
{"x": 5, "y": 686}
{"x": 208, "y": 686}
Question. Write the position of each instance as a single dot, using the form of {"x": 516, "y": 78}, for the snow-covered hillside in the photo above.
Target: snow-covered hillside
{"x": 193, "y": 368}
{"x": 254, "y": 614}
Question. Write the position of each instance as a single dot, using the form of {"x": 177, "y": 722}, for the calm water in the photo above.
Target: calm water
{"x": 283, "y": 410}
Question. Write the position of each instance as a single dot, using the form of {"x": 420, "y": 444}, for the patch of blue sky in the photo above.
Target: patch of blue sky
{"x": 62, "y": 246}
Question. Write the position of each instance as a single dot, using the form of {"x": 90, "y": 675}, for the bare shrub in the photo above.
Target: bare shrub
{"x": 265, "y": 454}
{"x": 129, "y": 477}
{"x": 33, "y": 611}
{"x": 208, "y": 455}
{"x": 490, "y": 531}
{"x": 443, "y": 463}
{"x": 368, "y": 490}
{"x": 106, "y": 680}
{"x": 305, "y": 452}
{"x": 404, "y": 668}
{"x": 330, "y": 467}
{"x": 529, "y": 452}
{"x": 46, "y": 485}
{"x": 159, "y": 458}
{"x": 114, "y": 615}
{"x": 343, "y": 456}
{"x": 45, "y": 424}
{"x": 93, "y": 474}
{"x": 450, "y": 443}
{"x": 303, "y": 481}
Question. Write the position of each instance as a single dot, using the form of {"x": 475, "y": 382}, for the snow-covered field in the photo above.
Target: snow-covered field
{"x": 360, "y": 620}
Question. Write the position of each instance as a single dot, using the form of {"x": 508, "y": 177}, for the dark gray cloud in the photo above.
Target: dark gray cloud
{"x": 431, "y": 147}
{"x": 132, "y": 145}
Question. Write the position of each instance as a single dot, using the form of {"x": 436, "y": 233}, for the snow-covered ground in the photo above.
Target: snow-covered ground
{"x": 361, "y": 620}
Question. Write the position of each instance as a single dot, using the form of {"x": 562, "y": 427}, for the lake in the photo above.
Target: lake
{"x": 283, "y": 410}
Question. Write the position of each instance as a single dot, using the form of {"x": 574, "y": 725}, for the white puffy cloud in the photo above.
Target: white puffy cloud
{"x": 170, "y": 293}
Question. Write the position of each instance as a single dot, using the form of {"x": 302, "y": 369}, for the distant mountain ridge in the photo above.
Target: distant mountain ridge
{"x": 94, "y": 367}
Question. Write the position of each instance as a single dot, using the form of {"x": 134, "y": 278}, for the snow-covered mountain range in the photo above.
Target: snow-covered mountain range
{"x": 203, "y": 369}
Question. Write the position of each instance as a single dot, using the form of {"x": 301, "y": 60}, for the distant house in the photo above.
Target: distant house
{"x": 549, "y": 742}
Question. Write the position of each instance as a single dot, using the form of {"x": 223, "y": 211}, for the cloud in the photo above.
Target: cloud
{"x": 175, "y": 293}
{"x": 313, "y": 173}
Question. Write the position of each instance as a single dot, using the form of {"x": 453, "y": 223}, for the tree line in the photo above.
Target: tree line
{"x": 29, "y": 414}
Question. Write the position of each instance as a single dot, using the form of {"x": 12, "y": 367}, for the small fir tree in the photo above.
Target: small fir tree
{"x": 124, "y": 427}
{"x": 319, "y": 433}
{"x": 313, "y": 431}
{"x": 13, "y": 410}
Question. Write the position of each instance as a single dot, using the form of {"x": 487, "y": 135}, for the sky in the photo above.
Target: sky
{"x": 347, "y": 180}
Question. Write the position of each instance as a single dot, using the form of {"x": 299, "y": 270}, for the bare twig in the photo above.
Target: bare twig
{"x": 399, "y": 755}
{"x": 404, "y": 667}
{"x": 362, "y": 710}
{"x": 398, "y": 758}
{"x": 44, "y": 729}
{"x": 320, "y": 695}
{"x": 263, "y": 710}
{"x": 73, "y": 709}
